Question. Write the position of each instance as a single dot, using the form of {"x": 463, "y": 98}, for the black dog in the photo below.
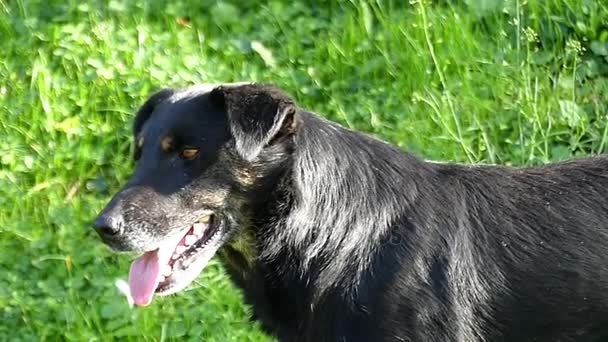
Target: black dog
{"x": 336, "y": 236}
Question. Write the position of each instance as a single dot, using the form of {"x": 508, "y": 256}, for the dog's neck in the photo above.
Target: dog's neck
{"x": 320, "y": 221}
{"x": 330, "y": 211}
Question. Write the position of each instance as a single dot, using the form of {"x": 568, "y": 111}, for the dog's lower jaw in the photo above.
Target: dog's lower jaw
{"x": 176, "y": 263}
{"x": 184, "y": 275}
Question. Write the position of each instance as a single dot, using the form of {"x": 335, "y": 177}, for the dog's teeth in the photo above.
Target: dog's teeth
{"x": 180, "y": 249}
{"x": 167, "y": 269}
{"x": 205, "y": 219}
{"x": 198, "y": 229}
{"x": 174, "y": 256}
{"x": 189, "y": 240}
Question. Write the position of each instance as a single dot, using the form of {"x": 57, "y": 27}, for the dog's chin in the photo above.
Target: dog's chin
{"x": 177, "y": 261}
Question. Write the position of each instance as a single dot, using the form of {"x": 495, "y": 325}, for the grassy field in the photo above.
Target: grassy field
{"x": 511, "y": 82}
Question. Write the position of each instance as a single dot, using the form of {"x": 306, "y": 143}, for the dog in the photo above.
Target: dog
{"x": 334, "y": 235}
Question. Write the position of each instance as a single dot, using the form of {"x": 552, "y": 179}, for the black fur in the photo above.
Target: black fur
{"x": 348, "y": 238}
{"x": 147, "y": 108}
{"x": 255, "y": 115}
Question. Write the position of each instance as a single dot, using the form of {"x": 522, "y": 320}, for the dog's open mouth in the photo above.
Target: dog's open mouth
{"x": 176, "y": 262}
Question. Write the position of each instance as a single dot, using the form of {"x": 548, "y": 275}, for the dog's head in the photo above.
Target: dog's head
{"x": 203, "y": 154}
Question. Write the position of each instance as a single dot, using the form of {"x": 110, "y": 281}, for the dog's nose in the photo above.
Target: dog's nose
{"x": 108, "y": 225}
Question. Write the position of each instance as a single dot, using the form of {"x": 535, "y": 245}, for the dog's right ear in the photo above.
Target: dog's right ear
{"x": 258, "y": 115}
{"x": 144, "y": 113}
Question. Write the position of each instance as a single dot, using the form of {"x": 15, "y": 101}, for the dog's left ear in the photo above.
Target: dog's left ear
{"x": 258, "y": 115}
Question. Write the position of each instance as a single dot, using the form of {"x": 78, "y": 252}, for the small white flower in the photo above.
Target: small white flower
{"x": 123, "y": 287}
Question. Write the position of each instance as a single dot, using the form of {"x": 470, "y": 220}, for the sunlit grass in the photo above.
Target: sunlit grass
{"x": 510, "y": 82}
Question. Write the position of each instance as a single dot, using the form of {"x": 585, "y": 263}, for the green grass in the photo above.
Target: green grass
{"x": 511, "y": 82}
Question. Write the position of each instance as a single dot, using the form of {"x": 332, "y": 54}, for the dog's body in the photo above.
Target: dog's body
{"x": 336, "y": 236}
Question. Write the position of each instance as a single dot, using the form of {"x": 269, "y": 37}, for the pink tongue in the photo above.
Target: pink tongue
{"x": 143, "y": 278}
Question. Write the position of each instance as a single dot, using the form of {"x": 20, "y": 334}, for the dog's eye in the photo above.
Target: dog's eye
{"x": 188, "y": 153}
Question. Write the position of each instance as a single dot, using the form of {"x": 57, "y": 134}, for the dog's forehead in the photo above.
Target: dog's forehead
{"x": 200, "y": 89}
{"x": 190, "y": 106}
{"x": 187, "y": 109}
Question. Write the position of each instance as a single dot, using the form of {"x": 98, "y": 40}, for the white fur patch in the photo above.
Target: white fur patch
{"x": 200, "y": 89}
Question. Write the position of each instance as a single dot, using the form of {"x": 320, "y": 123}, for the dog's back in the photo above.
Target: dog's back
{"x": 520, "y": 253}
